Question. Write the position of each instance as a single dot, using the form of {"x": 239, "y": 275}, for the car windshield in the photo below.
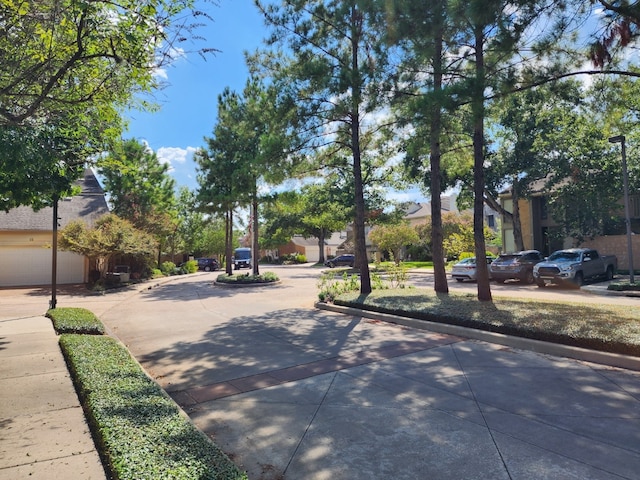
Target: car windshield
{"x": 507, "y": 259}
{"x": 563, "y": 255}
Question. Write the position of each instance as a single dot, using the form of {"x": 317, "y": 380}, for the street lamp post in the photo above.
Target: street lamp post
{"x": 625, "y": 183}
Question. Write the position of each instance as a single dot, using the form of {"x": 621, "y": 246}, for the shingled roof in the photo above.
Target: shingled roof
{"x": 88, "y": 206}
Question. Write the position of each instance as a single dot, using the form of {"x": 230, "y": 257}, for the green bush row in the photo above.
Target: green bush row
{"x": 140, "y": 432}
{"x": 75, "y": 320}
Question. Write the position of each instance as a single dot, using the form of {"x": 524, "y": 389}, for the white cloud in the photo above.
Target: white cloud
{"x": 175, "y": 155}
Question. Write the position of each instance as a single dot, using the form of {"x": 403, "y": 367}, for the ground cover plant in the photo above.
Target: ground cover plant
{"x": 140, "y": 432}
{"x": 267, "y": 277}
{"x": 75, "y": 320}
{"x": 607, "y": 328}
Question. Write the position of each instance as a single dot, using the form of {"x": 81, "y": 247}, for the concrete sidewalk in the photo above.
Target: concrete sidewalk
{"x": 44, "y": 431}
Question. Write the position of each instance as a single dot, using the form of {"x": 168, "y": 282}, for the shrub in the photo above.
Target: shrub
{"x": 331, "y": 286}
{"x": 75, "y": 320}
{"x": 624, "y": 287}
{"x": 140, "y": 431}
{"x": 190, "y": 266}
{"x": 267, "y": 277}
{"x": 168, "y": 268}
{"x": 155, "y": 273}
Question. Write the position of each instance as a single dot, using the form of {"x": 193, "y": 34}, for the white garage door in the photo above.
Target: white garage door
{"x": 32, "y": 266}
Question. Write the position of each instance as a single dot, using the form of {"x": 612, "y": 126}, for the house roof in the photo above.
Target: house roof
{"x": 422, "y": 210}
{"x": 304, "y": 242}
{"x": 88, "y": 206}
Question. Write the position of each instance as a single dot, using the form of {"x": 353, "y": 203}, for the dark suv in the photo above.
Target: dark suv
{"x": 346, "y": 259}
{"x": 516, "y": 266}
{"x": 207, "y": 264}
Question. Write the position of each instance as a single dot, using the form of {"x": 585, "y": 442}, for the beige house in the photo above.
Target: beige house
{"x": 26, "y": 238}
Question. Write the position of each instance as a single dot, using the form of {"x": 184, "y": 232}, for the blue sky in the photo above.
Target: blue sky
{"x": 188, "y": 104}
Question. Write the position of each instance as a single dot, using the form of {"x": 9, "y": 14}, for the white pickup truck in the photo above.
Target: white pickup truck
{"x": 575, "y": 265}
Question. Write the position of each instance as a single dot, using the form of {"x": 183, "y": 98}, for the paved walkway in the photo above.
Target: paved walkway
{"x": 43, "y": 431}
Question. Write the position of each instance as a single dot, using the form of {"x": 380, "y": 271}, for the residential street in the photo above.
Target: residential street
{"x": 292, "y": 392}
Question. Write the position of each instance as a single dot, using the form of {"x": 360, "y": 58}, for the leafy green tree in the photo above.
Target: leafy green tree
{"x": 62, "y": 54}
{"x": 584, "y": 187}
{"x": 68, "y": 70}
{"x": 225, "y": 181}
{"x": 522, "y": 122}
{"x": 141, "y": 190}
{"x": 36, "y": 166}
{"x": 315, "y": 211}
{"x": 248, "y": 149}
{"x": 111, "y": 236}
{"x": 334, "y": 72}
{"x": 393, "y": 238}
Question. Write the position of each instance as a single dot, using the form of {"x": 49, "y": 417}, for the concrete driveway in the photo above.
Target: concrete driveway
{"x": 291, "y": 392}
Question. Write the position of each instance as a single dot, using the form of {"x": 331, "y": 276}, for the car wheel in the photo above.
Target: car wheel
{"x": 540, "y": 283}
{"x": 331, "y": 265}
{"x": 578, "y": 280}
{"x": 609, "y": 275}
{"x": 500, "y": 280}
{"x": 207, "y": 268}
{"x": 528, "y": 278}
{"x": 460, "y": 280}
{"x": 351, "y": 265}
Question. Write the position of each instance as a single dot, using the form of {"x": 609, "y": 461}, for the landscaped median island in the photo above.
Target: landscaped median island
{"x": 607, "y": 328}
{"x": 139, "y": 431}
{"x": 247, "y": 279}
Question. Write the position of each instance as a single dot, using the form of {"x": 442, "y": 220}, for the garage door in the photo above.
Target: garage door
{"x": 32, "y": 266}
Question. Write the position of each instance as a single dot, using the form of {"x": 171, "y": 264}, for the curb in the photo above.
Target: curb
{"x": 537, "y": 346}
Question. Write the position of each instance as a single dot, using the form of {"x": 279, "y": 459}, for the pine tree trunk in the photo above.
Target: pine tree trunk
{"x": 477, "y": 105}
{"x": 255, "y": 254}
{"x": 362, "y": 261}
{"x": 439, "y": 263}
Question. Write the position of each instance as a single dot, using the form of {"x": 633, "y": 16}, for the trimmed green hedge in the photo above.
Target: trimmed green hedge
{"x": 141, "y": 433}
{"x": 75, "y": 320}
{"x": 624, "y": 287}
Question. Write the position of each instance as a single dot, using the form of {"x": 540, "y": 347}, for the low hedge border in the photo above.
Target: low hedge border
{"x": 139, "y": 431}
{"x": 606, "y": 335}
{"x": 75, "y": 320}
{"x": 247, "y": 279}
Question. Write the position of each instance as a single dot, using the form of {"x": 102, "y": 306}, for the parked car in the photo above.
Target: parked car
{"x": 515, "y": 266}
{"x": 346, "y": 259}
{"x": 466, "y": 269}
{"x": 575, "y": 265}
{"x": 207, "y": 264}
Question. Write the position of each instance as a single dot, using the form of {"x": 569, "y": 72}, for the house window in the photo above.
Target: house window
{"x": 491, "y": 221}
{"x": 544, "y": 208}
{"x": 634, "y": 206}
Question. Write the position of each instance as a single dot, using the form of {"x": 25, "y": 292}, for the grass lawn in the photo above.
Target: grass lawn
{"x": 607, "y": 328}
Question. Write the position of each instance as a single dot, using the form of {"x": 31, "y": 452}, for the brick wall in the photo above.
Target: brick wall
{"x": 617, "y": 245}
